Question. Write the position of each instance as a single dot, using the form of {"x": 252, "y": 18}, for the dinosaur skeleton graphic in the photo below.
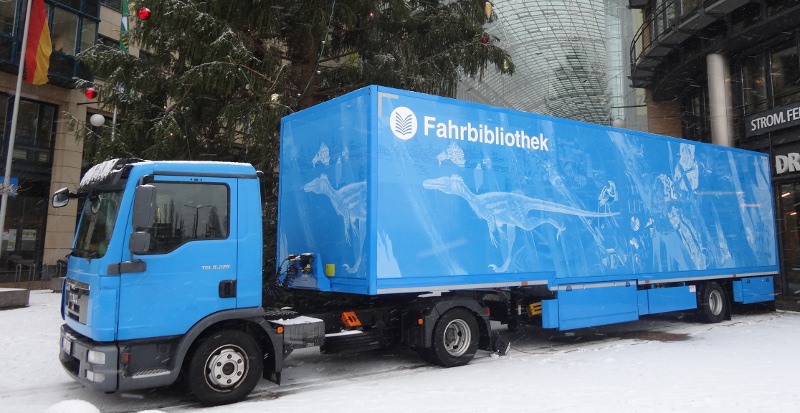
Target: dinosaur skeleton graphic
{"x": 505, "y": 211}
{"x": 349, "y": 202}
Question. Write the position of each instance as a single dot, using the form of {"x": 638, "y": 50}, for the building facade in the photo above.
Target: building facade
{"x": 570, "y": 58}
{"x": 728, "y": 72}
{"x": 46, "y": 154}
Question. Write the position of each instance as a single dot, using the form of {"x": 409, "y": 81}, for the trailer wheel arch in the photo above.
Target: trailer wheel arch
{"x": 454, "y": 339}
{"x": 431, "y": 310}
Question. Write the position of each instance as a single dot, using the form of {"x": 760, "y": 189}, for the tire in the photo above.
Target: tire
{"x": 224, "y": 368}
{"x": 455, "y": 338}
{"x": 712, "y": 303}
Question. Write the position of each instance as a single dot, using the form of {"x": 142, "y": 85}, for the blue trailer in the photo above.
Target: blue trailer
{"x": 405, "y": 219}
{"x": 434, "y": 194}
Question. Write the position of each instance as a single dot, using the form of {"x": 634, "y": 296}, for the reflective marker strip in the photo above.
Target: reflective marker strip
{"x": 459, "y": 287}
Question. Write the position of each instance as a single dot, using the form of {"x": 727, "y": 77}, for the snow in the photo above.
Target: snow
{"x": 657, "y": 364}
{"x": 98, "y": 172}
{"x": 298, "y": 320}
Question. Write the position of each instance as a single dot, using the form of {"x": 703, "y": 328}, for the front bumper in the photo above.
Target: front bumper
{"x": 101, "y": 372}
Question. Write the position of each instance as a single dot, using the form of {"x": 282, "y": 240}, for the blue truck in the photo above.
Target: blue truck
{"x": 404, "y": 219}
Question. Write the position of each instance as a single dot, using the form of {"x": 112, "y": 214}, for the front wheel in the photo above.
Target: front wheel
{"x": 455, "y": 338}
{"x": 225, "y": 367}
{"x": 712, "y": 303}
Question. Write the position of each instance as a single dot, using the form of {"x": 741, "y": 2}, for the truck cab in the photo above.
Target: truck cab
{"x": 165, "y": 254}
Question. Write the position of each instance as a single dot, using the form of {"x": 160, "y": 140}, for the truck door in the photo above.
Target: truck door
{"x": 191, "y": 263}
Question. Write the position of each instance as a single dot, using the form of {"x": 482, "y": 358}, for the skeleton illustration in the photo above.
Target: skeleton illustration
{"x": 349, "y": 202}
{"x": 505, "y": 211}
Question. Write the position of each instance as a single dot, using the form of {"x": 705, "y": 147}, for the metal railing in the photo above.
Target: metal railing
{"x": 653, "y": 28}
{"x": 658, "y": 24}
{"x": 26, "y": 274}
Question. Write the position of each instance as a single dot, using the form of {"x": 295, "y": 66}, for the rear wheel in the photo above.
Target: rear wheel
{"x": 455, "y": 338}
{"x": 712, "y": 305}
{"x": 225, "y": 367}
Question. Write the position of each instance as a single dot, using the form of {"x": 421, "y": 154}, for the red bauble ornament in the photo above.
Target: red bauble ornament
{"x": 484, "y": 40}
{"x": 143, "y": 13}
{"x": 91, "y": 93}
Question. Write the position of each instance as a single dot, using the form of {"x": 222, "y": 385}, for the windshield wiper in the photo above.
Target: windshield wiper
{"x": 82, "y": 253}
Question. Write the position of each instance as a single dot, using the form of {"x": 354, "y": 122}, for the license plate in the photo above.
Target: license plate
{"x": 66, "y": 345}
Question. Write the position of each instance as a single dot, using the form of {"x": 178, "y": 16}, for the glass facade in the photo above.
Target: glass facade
{"x": 785, "y": 72}
{"x": 768, "y": 87}
{"x": 570, "y": 59}
{"x": 73, "y": 28}
{"x": 789, "y": 227}
{"x": 26, "y": 214}
{"x": 754, "y": 84}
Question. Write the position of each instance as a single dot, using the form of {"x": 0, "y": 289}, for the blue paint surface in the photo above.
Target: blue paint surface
{"x": 400, "y": 191}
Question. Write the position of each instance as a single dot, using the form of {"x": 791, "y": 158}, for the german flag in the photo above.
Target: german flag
{"x": 39, "y": 47}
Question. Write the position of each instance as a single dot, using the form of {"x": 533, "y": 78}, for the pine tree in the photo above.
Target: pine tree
{"x": 217, "y": 76}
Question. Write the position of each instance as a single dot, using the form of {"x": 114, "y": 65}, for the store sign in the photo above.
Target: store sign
{"x": 787, "y": 163}
{"x": 771, "y": 120}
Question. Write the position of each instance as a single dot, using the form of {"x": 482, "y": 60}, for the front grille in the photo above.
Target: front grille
{"x": 77, "y": 300}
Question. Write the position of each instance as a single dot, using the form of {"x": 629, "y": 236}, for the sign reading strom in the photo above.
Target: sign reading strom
{"x": 778, "y": 118}
{"x": 403, "y": 122}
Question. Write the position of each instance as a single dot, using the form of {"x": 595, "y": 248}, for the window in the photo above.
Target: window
{"x": 693, "y": 116}
{"x": 64, "y": 33}
{"x": 7, "y": 17}
{"x": 97, "y": 223}
{"x": 34, "y": 139}
{"x": 688, "y": 6}
{"x": 754, "y": 86}
{"x": 785, "y": 73}
{"x": 88, "y": 31}
{"x": 73, "y": 28}
{"x": 26, "y": 215}
{"x": 788, "y": 222}
{"x": 776, "y": 7}
{"x": 113, "y": 4}
{"x": 745, "y": 17}
{"x": 188, "y": 212}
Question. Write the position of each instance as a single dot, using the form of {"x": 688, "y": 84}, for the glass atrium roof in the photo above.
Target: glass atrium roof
{"x": 571, "y": 59}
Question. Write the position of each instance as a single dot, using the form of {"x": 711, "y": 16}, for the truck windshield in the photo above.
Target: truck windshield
{"x": 97, "y": 223}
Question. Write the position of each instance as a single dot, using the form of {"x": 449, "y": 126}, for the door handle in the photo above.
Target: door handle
{"x": 127, "y": 267}
{"x": 227, "y": 289}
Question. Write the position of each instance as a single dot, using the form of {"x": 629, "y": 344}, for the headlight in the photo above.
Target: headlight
{"x": 96, "y": 357}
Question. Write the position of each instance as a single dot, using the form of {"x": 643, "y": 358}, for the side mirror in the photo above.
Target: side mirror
{"x": 144, "y": 207}
{"x": 61, "y": 198}
{"x": 139, "y": 242}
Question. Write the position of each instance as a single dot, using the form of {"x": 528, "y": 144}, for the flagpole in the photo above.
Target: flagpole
{"x": 14, "y": 118}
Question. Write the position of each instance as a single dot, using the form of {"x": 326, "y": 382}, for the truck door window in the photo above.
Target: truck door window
{"x": 97, "y": 224}
{"x": 187, "y": 212}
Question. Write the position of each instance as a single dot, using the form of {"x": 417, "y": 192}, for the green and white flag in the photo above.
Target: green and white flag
{"x": 123, "y": 27}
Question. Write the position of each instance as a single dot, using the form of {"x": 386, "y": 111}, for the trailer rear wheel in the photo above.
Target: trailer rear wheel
{"x": 455, "y": 338}
{"x": 712, "y": 303}
{"x": 225, "y": 367}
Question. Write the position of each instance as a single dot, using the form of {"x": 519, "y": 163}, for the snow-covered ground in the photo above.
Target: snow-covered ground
{"x": 659, "y": 364}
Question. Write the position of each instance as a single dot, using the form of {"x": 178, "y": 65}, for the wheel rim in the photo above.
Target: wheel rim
{"x": 226, "y": 367}
{"x": 457, "y": 337}
{"x": 715, "y": 302}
